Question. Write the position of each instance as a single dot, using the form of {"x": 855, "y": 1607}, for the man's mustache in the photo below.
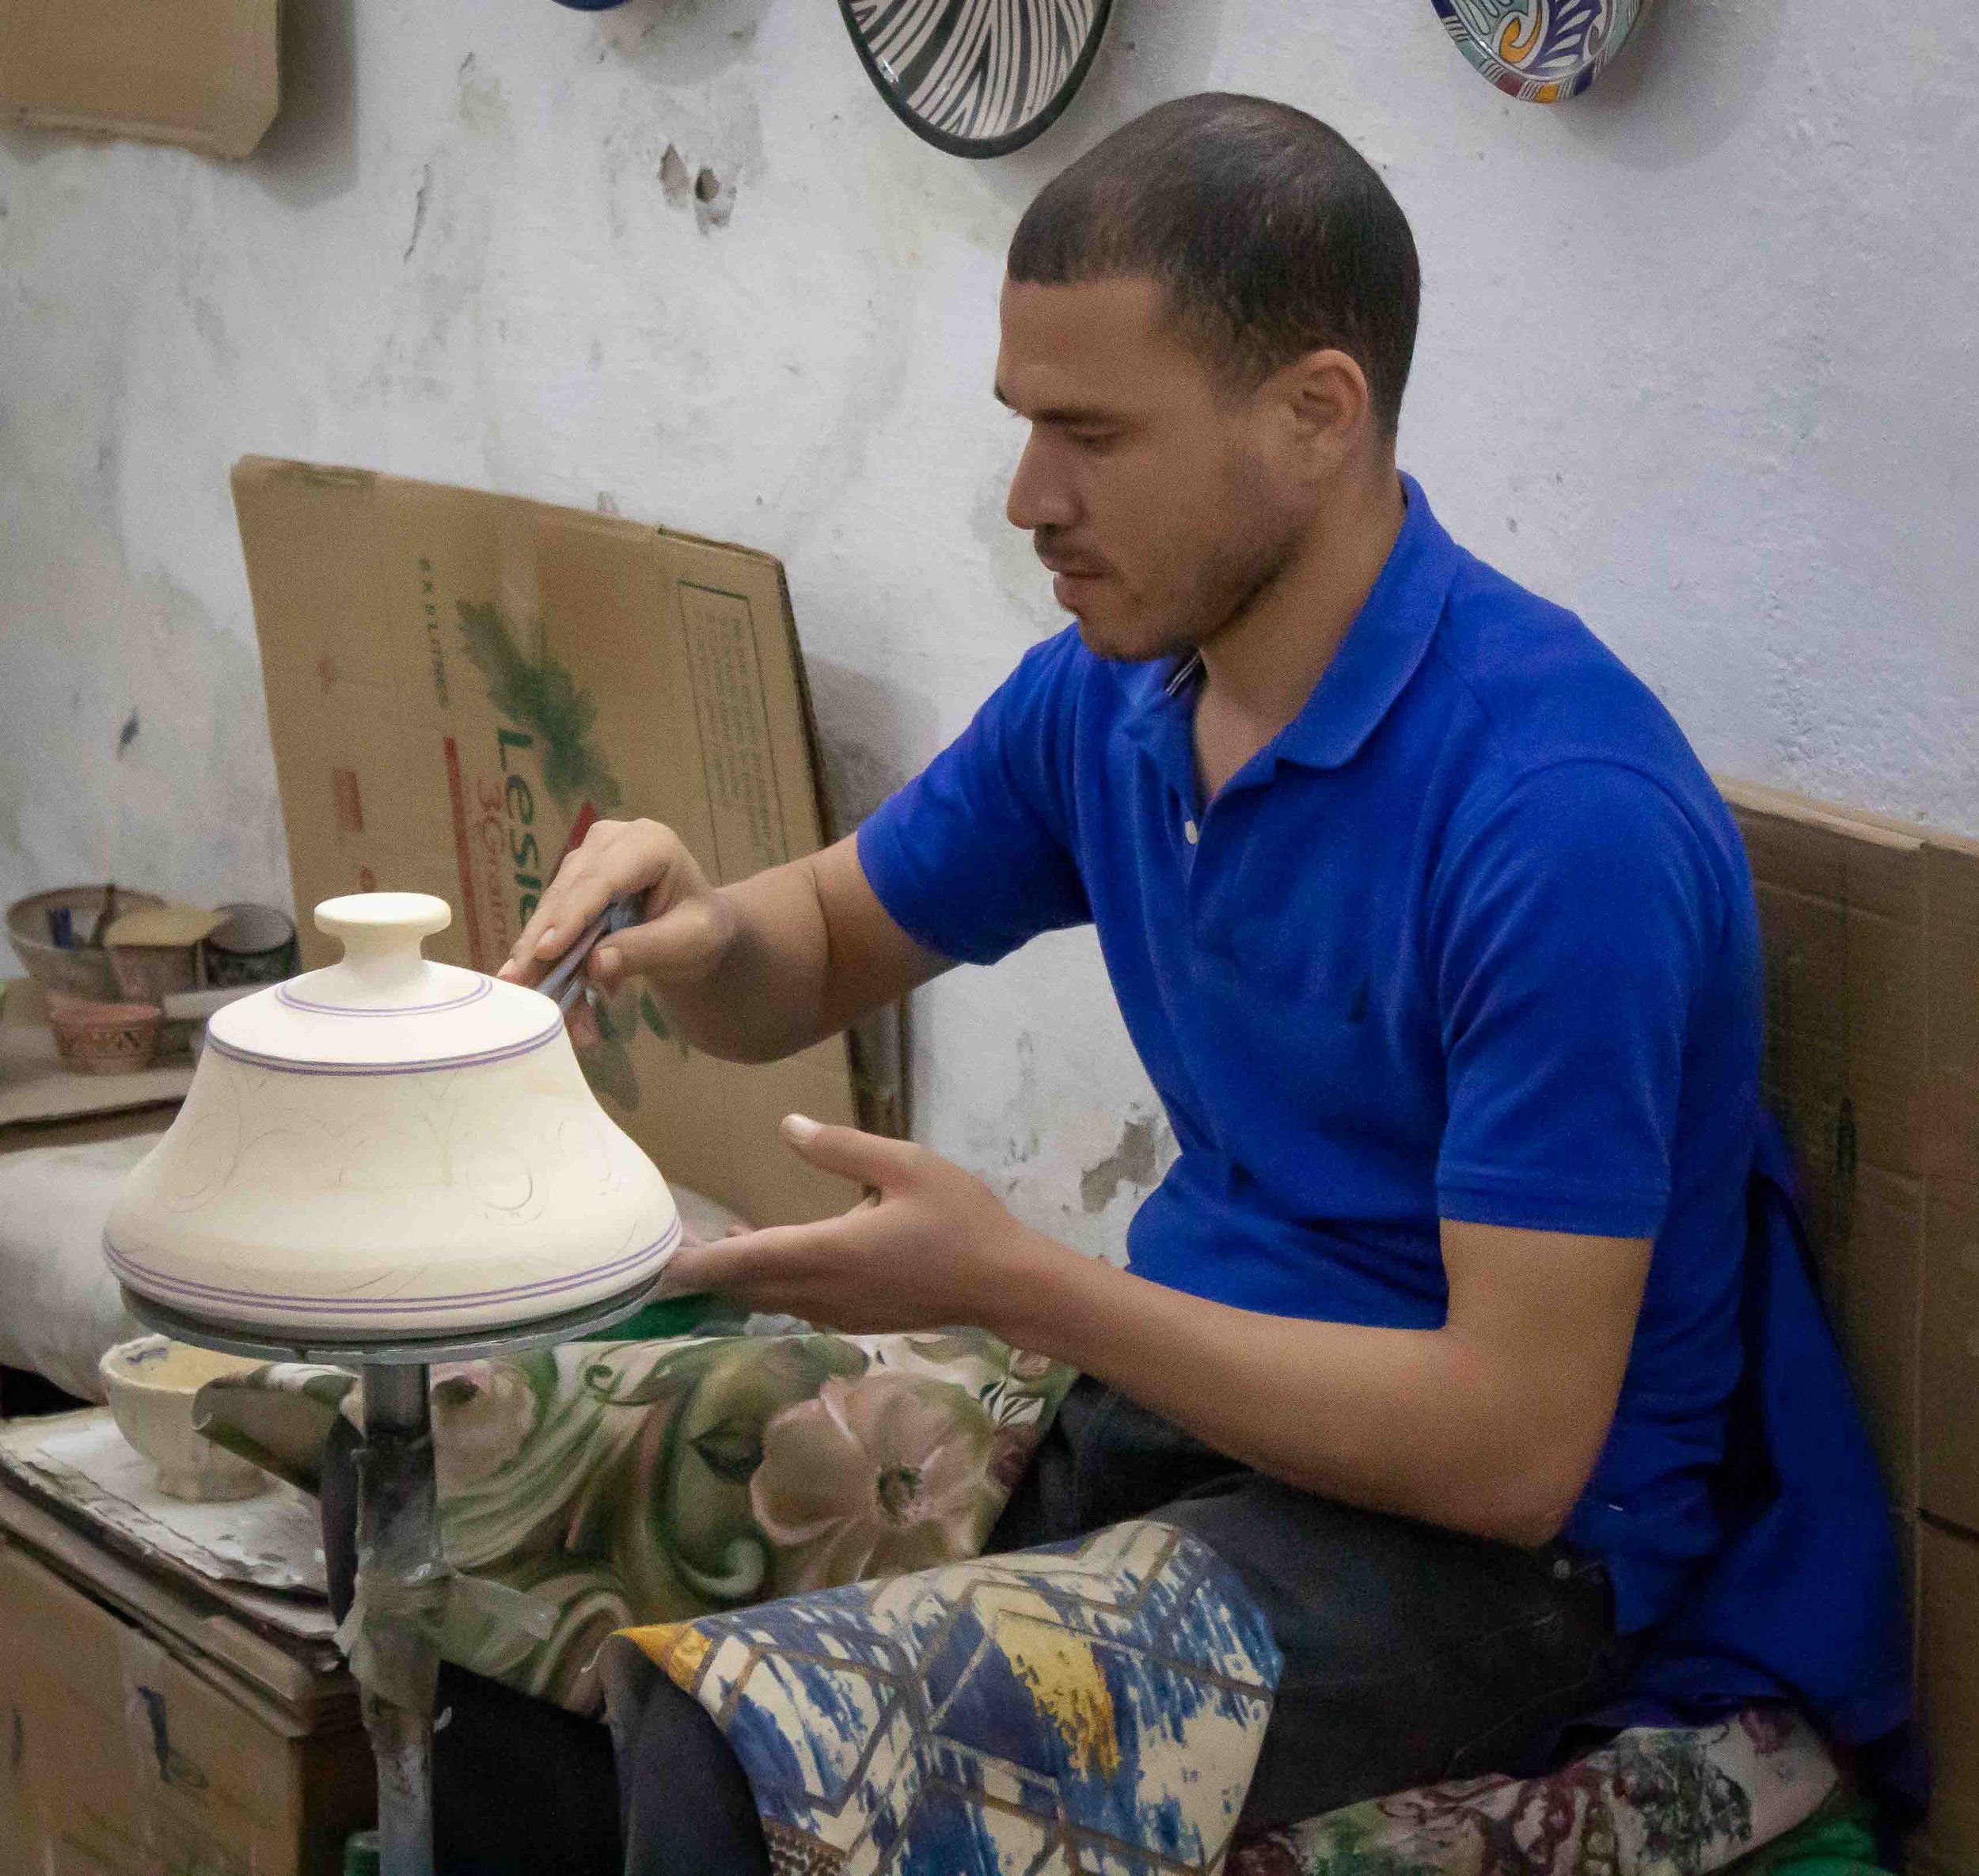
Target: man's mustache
{"x": 1060, "y": 555}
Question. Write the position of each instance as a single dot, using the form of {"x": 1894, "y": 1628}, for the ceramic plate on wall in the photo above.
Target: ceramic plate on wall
{"x": 1541, "y": 51}
{"x": 976, "y": 77}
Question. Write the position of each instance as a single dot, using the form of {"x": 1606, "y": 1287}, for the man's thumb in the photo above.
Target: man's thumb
{"x": 684, "y": 942}
{"x": 866, "y": 1159}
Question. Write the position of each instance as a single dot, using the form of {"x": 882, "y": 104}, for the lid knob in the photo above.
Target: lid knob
{"x": 381, "y": 933}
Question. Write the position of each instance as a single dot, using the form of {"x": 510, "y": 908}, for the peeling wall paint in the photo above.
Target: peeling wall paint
{"x": 1136, "y": 1164}
{"x": 1696, "y": 358}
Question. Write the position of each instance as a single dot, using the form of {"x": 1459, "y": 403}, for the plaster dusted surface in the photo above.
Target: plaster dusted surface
{"x": 1697, "y": 358}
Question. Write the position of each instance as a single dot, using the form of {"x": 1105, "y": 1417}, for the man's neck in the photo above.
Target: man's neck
{"x": 1261, "y": 667}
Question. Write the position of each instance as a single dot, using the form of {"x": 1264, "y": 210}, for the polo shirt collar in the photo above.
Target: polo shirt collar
{"x": 1382, "y": 650}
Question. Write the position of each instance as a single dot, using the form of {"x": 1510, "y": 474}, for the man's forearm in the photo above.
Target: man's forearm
{"x": 783, "y": 959}
{"x": 1411, "y": 1421}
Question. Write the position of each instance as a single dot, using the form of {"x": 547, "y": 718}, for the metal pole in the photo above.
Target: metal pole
{"x": 401, "y": 1587}
{"x": 403, "y": 1580}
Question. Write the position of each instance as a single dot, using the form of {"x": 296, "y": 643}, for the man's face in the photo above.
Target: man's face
{"x": 1160, "y": 501}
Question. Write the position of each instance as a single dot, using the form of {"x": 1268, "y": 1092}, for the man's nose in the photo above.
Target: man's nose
{"x": 1039, "y": 496}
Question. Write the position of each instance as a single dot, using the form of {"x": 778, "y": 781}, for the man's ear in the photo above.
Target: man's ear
{"x": 1328, "y": 409}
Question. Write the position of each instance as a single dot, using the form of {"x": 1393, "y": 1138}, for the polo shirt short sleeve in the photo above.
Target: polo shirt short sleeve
{"x": 1568, "y": 934}
{"x": 972, "y": 858}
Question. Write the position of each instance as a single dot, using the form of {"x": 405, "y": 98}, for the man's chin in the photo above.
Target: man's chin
{"x": 1128, "y": 641}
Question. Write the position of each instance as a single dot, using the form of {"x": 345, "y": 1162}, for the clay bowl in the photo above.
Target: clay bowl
{"x": 81, "y": 970}
{"x": 154, "y": 953}
{"x": 152, "y": 1383}
{"x": 150, "y": 973}
{"x": 103, "y": 1039}
{"x": 256, "y": 945}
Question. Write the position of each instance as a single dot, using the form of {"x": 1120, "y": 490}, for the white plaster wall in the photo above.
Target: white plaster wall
{"x": 1697, "y": 358}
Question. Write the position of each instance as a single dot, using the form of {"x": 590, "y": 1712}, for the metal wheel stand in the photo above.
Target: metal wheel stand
{"x": 404, "y": 1584}
{"x": 403, "y": 1574}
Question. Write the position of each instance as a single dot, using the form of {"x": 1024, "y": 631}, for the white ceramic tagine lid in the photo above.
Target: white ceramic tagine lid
{"x": 389, "y": 1145}
{"x": 385, "y": 1005}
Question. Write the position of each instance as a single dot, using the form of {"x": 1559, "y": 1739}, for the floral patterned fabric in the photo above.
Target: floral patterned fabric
{"x": 1654, "y": 1802}
{"x": 618, "y": 1482}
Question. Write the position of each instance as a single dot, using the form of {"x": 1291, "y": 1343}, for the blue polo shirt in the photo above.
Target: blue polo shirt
{"x": 1473, "y": 937}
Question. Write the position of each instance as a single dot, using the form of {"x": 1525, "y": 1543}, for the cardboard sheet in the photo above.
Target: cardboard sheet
{"x": 200, "y": 73}
{"x": 1948, "y": 1676}
{"x": 1871, "y": 932}
{"x": 459, "y": 683}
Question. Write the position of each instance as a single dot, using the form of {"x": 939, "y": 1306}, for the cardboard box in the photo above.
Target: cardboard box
{"x": 200, "y": 73}
{"x": 1948, "y": 1678}
{"x": 129, "y": 1757}
{"x": 1871, "y": 932}
{"x": 1872, "y": 935}
{"x": 459, "y": 683}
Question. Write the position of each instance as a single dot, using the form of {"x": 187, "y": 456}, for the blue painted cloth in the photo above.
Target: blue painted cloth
{"x": 1097, "y": 1705}
{"x": 1473, "y": 937}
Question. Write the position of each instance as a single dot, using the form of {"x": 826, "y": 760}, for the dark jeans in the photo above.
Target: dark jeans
{"x": 1411, "y": 1654}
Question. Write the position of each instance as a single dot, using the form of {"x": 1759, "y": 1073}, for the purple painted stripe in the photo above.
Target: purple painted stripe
{"x": 249, "y": 1058}
{"x": 484, "y": 988}
{"x": 143, "y": 1277}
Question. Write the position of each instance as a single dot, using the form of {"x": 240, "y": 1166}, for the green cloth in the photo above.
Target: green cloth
{"x": 672, "y": 1316}
{"x": 1838, "y": 1840}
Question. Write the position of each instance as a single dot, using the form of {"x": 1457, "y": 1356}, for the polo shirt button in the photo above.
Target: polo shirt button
{"x": 1190, "y": 833}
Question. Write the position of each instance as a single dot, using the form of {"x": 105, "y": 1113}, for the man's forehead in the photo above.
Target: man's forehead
{"x": 1079, "y": 313}
{"x": 1082, "y": 340}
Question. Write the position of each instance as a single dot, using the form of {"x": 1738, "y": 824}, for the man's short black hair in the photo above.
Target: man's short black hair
{"x": 1268, "y": 234}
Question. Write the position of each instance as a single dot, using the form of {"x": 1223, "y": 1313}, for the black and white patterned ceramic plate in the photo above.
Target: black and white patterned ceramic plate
{"x": 976, "y": 77}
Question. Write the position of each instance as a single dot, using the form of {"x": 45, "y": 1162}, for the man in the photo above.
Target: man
{"x": 1435, "y": 940}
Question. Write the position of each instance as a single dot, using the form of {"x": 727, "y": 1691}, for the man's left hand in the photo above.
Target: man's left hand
{"x": 929, "y": 1247}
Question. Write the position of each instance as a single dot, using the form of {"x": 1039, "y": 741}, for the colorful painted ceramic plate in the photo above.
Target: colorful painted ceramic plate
{"x": 1540, "y": 51}
{"x": 976, "y": 77}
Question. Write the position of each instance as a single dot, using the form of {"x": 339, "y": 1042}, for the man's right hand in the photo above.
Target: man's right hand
{"x": 684, "y": 931}
{"x": 749, "y": 971}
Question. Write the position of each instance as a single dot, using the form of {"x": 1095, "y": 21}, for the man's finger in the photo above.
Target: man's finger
{"x": 866, "y": 1159}
{"x": 605, "y": 967}
{"x": 581, "y": 1021}
{"x": 615, "y": 858}
{"x": 751, "y": 1258}
{"x": 563, "y": 912}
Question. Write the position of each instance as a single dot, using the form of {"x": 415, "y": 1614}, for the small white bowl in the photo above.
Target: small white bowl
{"x": 151, "y": 1383}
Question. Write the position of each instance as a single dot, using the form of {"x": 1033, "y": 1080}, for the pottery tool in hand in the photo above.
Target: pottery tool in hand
{"x": 564, "y": 982}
